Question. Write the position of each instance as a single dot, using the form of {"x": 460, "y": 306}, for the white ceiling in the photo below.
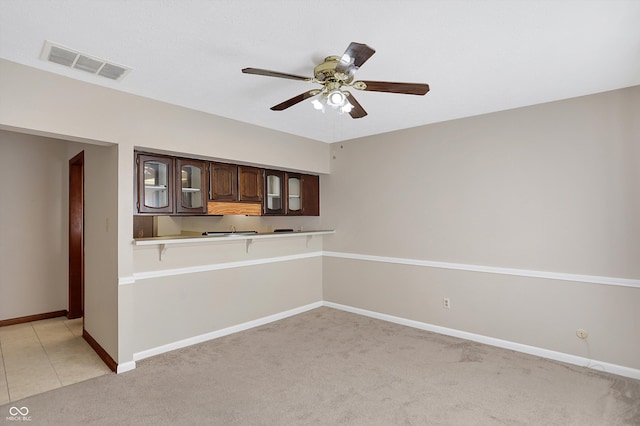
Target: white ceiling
{"x": 477, "y": 56}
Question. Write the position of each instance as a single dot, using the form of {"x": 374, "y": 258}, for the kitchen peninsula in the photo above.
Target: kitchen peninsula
{"x": 224, "y": 237}
{"x": 197, "y": 287}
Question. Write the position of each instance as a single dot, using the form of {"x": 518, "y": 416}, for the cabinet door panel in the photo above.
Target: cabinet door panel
{"x": 224, "y": 182}
{"x": 274, "y": 193}
{"x": 155, "y": 184}
{"x": 310, "y": 195}
{"x": 293, "y": 189}
{"x": 250, "y": 184}
{"x": 190, "y": 184}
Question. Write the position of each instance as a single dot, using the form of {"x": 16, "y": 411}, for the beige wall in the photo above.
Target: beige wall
{"x": 552, "y": 187}
{"x": 37, "y": 101}
{"x": 34, "y": 228}
{"x": 199, "y": 288}
{"x": 549, "y": 188}
{"x": 45, "y": 104}
{"x": 100, "y": 243}
{"x": 33, "y": 225}
{"x": 172, "y": 225}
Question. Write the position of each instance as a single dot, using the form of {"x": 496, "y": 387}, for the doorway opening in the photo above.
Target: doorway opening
{"x": 76, "y": 236}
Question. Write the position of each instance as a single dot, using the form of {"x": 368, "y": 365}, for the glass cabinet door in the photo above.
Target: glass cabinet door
{"x": 294, "y": 200}
{"x": 156, "y": 184}
{"x": 155, "y": 191}
{"x": 274, "y": 200}
{"x": 190, "y": 181}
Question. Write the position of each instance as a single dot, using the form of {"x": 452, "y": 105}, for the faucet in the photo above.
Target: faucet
{"x": 233, "y": 229}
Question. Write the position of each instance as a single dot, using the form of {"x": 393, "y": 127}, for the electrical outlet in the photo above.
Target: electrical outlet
{"x": 446, "y": 303}
{"x": 582, "y": 333}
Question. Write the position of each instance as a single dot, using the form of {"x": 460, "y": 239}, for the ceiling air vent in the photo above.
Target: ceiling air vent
{"x": 70, "y": 58}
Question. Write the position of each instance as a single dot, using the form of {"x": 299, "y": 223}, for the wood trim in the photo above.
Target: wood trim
{"x": 222, "y": 208}
{"x": 76, "y": 236}
{"x": 113, "y": 366}
{"x": 36, "y": 317}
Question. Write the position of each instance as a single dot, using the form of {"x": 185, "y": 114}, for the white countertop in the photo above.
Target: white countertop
{"x": 184, "y": 239}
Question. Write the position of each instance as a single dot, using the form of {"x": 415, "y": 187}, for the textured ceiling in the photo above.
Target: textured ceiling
{"x": 477, "y": 56}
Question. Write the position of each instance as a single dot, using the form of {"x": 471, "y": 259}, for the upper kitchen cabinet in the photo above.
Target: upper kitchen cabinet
{"x": 190, "y": 186}
{"x": 168, "y": 185}
{"x": 223, "y": 182}
{"x": 310, "y": 193}
{"x": 250, "y": 184}
{"x": 291, "y": 194}
{"x": 230, "y": 182}
{"x": 293, "y": 182}
{"x": 235, "y": 189}
{"x": 274, "y": 200}
{"x": 155, "y": 184}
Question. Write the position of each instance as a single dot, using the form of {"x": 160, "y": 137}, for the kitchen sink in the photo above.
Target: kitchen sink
{"x": 228, "y": 233}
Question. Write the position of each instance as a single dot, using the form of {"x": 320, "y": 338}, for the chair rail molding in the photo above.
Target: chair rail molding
{"x": 561, "y": 276}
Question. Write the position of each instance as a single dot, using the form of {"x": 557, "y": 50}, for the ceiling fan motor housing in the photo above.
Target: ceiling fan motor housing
{"x": 326, "y": 71}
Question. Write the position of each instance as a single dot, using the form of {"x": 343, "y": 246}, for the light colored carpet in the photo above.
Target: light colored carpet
{"x": 328, "y": 367}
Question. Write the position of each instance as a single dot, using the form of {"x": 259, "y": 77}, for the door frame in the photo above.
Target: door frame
{"x": 76, "y": 236}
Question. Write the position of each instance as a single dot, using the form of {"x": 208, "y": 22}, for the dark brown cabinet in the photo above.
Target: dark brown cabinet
{"x": 191, "y": 181}
{"x": 274, "y": 193}
{"x": 168, "y": 185}
{"x": 291, "y": 194}
{"x": 235, "y": 189}
{"x": 223, "y": 182}
{"x": 310, "y": 195}
{"x": 250, "y": 184}
{"x": 229, "y": 182}
{"x": 155, "y": 192}
{"x": 293, "y": 189}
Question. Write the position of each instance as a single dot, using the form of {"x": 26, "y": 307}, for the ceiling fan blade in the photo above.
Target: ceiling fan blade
{"x": 296, "y": 99}
{"x": 357, "y": 111}
{"x": 386, "y": 86}
{"x": 353, "y": 58}
{"x": 268, "y": 73}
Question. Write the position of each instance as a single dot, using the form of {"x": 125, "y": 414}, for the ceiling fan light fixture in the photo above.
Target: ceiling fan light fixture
{"x": 347, "y": 107}
{"x": 317, "y": 104}
{"x": 336, "y": 98}
{"x": 335, "y": 73}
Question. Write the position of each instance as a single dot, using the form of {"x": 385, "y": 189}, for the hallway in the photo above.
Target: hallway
{"x": 44, "y": 355}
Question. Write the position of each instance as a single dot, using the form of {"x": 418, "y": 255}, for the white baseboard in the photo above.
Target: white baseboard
{"x": 126, "y": 366}
{"x": 518, "y": 347}
{"x": 223, "y": 332}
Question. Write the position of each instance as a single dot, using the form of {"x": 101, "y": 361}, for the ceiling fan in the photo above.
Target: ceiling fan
{"x": 336, "y": 73}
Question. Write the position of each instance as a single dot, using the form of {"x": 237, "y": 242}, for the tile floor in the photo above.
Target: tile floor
{"x": 43, "y": 355}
